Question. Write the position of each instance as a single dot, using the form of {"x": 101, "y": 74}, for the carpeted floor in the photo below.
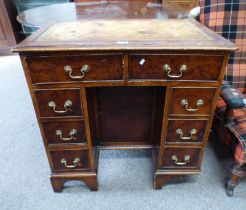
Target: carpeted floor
{"x": 125, "y": 177}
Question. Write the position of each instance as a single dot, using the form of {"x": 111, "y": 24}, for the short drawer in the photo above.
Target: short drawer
{"x": 64, "y": 132}
{"x": 65, "y": 160}
{"x": 53, "y": 69}
{"x": 191, "y": 101}
{"x": 185, "y": 131}
{"x": 59, "y": 102}
{"x": 181, "y": 157}
{"x": 175, "y": 67}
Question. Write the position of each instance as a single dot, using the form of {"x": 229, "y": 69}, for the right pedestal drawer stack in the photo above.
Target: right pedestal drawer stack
{"x": 193, "y": 82}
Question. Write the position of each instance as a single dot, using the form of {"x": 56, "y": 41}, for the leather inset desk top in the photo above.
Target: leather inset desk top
{"x": 112, "y": 34}
{"x": 137, "y": 30}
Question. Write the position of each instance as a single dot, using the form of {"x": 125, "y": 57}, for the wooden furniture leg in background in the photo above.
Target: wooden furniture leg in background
{"x": 236, "y": 173}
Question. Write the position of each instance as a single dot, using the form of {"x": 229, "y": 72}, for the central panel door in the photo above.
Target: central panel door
{"x": 128, "y": 114}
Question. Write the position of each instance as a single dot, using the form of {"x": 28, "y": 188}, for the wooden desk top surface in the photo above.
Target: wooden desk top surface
{"x": 150, "y": 34}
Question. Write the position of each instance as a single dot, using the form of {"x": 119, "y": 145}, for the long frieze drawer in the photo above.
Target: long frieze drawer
{"x": 53, "y": 69}
{"x": 177, "y": 67}
{"x": 185, "y": 131}
{"x": 67, "y": 160}
{"x": 59, "y": 102}
{"x": 64, "y": 132}
{"x": 191, "y": 101}
{"x": 181, "y": 157}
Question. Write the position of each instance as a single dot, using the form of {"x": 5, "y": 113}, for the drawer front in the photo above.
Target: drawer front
{"x": 75, "y": 68}
{"x": 179, "y": 67}
{"x": 181, "y": 157}
{"x": 59, "y": 103}
{"x": 64, "y": 132}
{"x": 191, "y": 101}
{"x": 185, "y": 131}
{"x": 67, "y": 160}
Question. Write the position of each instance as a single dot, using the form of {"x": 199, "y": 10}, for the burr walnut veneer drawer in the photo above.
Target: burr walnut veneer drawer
{"x": 185, "y": 131}
{"x": 61, "y": 132}
{"x": 180, "y": 157}
{"x": 171, "y": 66}
{"x": 69, "y": 160}
{"x": 191, "y": 101}
{"x": 59, "y": 102}
{"x": 53, "y": 69}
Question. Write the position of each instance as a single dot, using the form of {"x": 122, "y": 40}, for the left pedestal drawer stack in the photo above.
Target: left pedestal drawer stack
{"x": 61, "y": 112}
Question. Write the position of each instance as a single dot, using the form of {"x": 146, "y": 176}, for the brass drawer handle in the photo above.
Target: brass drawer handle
{"x": 167, "y": 68}
{"x": 185, "y": 103}
{"x": 68, "y": 70}
{"x": 72, "y": 133}
{"x": 176, "y": 161}
{"x": 74, "y": 165}
{"x": 180, "y": 133}
{"x": 67, "y": 104}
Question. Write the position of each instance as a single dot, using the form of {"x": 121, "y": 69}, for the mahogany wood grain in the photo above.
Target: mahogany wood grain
{"x": 58, "y": 179}
{"x": 199, "y": 66}
{"x": 102, "y": 67}
{"x": 192, "y": 95}
{"x": 9, "y": 27}
{"x": 51, "y": 127}
{"x": 186, "y": 125}
{"x": 69, "y": 156}
{"x": 93, "y": 114}
{"x": 159, "y": 152}
{"x": 87, "y": 10}
{"x": 214, "y": 104}
{"x": 159, "y": 101}
{"x": 180, "y": 153}
{"x": 123, "y": 106}
{"x": 117, "y": 118}
{"x": 161, "y": 179}
{"x": 185, "y": 4}
{"x": 59, "y": 96}
{"x": 87, "y": 129}
{"x": 132, "y": 83}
